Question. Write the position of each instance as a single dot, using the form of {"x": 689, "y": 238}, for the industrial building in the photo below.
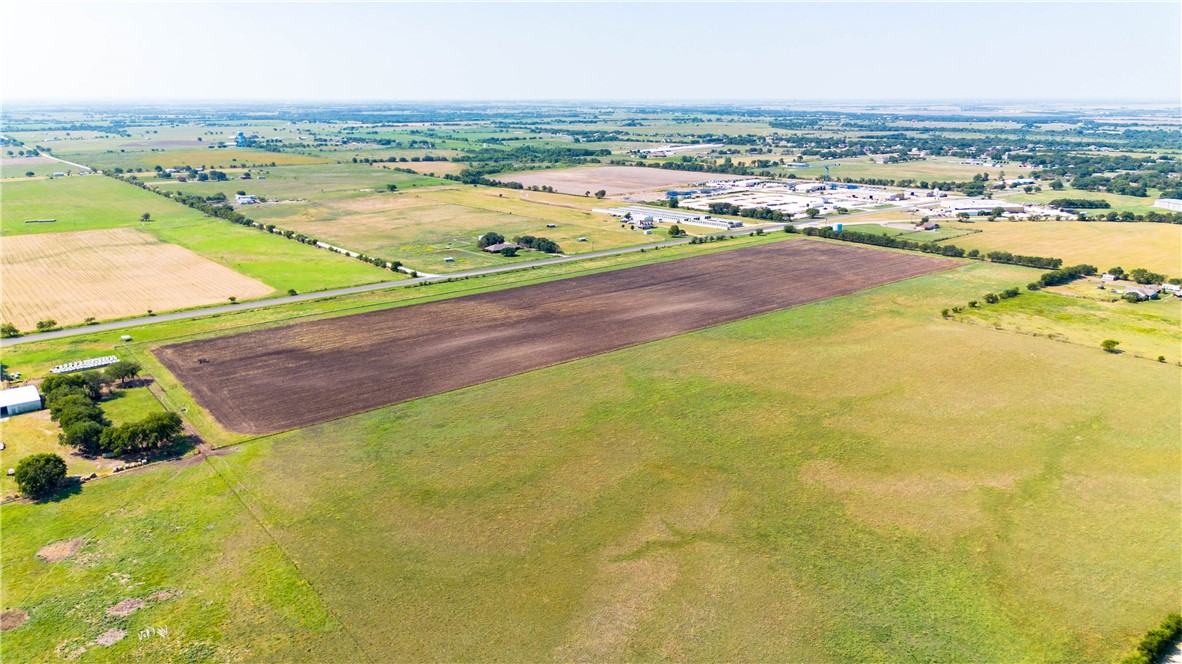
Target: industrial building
{"x": 976, "y": 205}
{"x": 1172, "y": 204}
{"x": 17, "y": 400}
{"x": 641, "y": 214}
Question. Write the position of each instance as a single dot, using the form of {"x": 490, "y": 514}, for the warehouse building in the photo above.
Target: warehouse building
{"x": 1172, "y": 204}
{"x": 19, "y": 400}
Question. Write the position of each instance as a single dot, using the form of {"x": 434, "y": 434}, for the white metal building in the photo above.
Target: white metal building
{"x": 19, "y": 400}
{"x": 1172, "y": 204}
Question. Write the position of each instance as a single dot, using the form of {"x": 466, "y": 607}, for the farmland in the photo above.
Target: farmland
{"x": 612, "y": 179}
{"x": 422, "y": 227}
{"x": 1101, "y": 243}
{"x": 623, "y": 507}
{"x": 243, "y": 380}
{"x": 97, "y": 202}
{"x": 109, "y": 274}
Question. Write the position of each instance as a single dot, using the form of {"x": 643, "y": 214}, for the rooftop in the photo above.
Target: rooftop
{"x": 19, "y": 395}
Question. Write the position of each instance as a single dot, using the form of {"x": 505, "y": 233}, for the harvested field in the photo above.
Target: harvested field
{"x": 612, "y": 179}
{"x": 267, "y": 381}
{"x": 106, "y": 274}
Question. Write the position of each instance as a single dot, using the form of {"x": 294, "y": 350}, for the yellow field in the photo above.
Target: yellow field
{"x": 1155, "y": 247}
{"x": 105, "y": 274}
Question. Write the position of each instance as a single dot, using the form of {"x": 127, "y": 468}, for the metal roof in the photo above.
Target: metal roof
{"x": 19, "y": 395}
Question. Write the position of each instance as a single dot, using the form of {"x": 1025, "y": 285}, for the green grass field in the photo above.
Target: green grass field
{"x": 98, "y": 202}
{"x": 423, "y": 227}
{"x": 1104, "y": 244}
{"x": 789, "y": 486}
{"x": 85, "y": 203}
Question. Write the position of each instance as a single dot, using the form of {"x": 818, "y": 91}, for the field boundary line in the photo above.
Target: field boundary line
{"x": 337, "y": 418}
{"x": 286, "y": 556}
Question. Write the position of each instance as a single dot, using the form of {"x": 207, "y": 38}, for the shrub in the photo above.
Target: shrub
{"x": 1110, "y": 345}
{"x": 9, "y": 330}
{"x": 39, "y": 474}
{"x": 991, "y": 298}
{"x": 1157, "y": 642}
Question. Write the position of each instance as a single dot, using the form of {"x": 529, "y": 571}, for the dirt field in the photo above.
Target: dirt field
{"x": 261, "y": 382}
{"x": 612, "y": 179}
{"x": 108, "y": 274}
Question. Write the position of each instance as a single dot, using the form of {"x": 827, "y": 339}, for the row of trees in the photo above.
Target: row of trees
{"x": 763, "y": 213}
{"x": 544, "y": 245}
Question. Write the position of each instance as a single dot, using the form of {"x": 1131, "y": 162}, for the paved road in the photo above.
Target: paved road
{"x": 278, "y": 301}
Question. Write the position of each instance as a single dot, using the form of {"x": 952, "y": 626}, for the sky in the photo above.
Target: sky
{"x": 171, "y": 51}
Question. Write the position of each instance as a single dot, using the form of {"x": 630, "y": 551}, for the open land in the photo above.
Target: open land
{"x": 612, "y": 179}
{"x": 112, "y": 273}
{"x": 423, "y": 227}
{"x": 266, "y": 382}
{"x": 775, "y": 484}
{"x": 1104, "y": 244}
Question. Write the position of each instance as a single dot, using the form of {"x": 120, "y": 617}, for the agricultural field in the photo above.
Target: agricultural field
{"x": 1101, "y": 243}
{"x": 97, "y": 202}
{"x": 425, "y": 226}
{"x": 931, "y": 169}
{"x": 113, "y": 273}
{"x": 612, "y": 179}
{"x": 313, "y": 183}
{"x": 84, "y": 203}
{"x": 243, "y": 380}
{"x": 948, "y": 514}
{"x": 20, "y": 167}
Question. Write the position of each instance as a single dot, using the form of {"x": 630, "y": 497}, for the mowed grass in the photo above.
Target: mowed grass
{"x": 97, "y": 202}
{"x": 787, "y": 487}
{"x": 1104, "y": 244}
{"x": 85, "y": 203}
{"x": 36, "y": 433}
{"x": 424, "y": 227}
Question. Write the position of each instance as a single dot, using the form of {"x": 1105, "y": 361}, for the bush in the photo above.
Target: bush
{"x": 39, "y": 474}
{"x": 1157, "y": 642}
{"x": 1110, "y": 345}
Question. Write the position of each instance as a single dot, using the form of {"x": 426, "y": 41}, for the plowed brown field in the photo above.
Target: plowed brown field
{"x": 276, "y": 379}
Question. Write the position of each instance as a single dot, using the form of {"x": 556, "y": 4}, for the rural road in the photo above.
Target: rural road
{"x": 289, "y": 299}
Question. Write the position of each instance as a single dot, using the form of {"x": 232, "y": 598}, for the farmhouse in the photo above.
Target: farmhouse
{"x": 19, "y": 400}
{"x": 501, "y": 246}
{"x": 1143, "y": 292}
{"x": 929, "y": 226}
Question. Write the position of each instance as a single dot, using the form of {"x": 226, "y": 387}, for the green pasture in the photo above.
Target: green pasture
{"x": 85, "y": 203}
{"x": 781, "y": 486}
{"x": 1118, "y": 202}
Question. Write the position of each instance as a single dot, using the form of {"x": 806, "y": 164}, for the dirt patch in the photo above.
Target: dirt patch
{"x": 12, "y": 618}
{"x": 612, "y": 179}
{"x": 295, "y": 376}
{"x": 162, "y": 595}
{"x": 126, "y": 607}
{"x": 110, "y": 637}
{"x": 60, "y": 551}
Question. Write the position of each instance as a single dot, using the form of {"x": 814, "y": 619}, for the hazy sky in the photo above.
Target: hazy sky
{"x": 394, "y": 52}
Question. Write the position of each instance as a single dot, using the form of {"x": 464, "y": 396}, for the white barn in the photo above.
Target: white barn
{"x": 19, "y": 400}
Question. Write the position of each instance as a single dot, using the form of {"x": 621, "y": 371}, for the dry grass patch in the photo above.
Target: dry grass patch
{"x": 60, "y": 551}
{"x": 12, "y": 618}
{"x": 105, "y": 274}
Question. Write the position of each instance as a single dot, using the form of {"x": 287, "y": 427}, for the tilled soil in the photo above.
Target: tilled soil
{"x": 277, "y": 379}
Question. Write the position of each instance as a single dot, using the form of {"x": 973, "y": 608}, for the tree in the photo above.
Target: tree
{"x": 812, "y": 213}
{"x": 1110, "y": 345}
{"x": 46, "y": 325}
{"x": 83, "y": 435}
{"x": 233, "y": 299}
{"x": 490, "y": 238}
{"x": 509, "y": 252}
{"x": 8, "y": 330}
{"x": 147, "y": 216}
{"x": 39, "y": 474}
{"x": 601, "y": 193}
{"x": 391, "y": 187}
{"x": 292, "y": 291}
{"x": 673, "y": 203}
{"x": 1143, "y": 276}
{"x": 1117, "y": 272}
{"x": 29, "y": 174}
{"x": 122, "y": 371}
{"x": 675, "y": 231}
